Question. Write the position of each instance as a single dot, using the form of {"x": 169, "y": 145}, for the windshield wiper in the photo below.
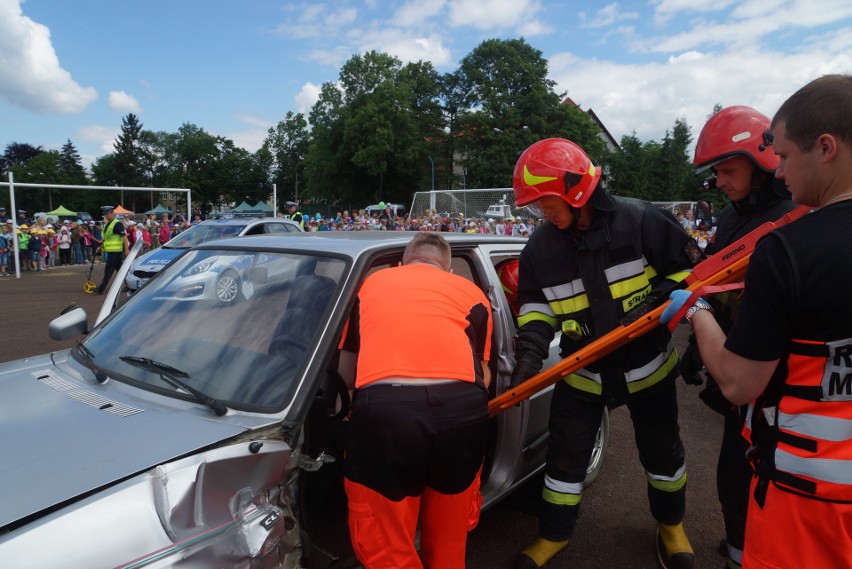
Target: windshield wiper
{"x": 89, "y": 359}
{"x": 170, "y": 375}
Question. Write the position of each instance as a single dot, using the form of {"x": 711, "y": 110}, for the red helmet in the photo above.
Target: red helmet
{"x": 733, "y": 131}
{"x": 508, "y": 273}
{"x": 554, "y": 167}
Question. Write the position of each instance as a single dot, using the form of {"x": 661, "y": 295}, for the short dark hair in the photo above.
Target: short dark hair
{"x": 428, "y": 248}
{"x": 823, "y": 106}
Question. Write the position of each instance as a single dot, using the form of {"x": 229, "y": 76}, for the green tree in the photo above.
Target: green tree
{"x": 130, "y": 160}
{"x": 509, "y": 103}
{"x": 676, "y": 179}
{"x": 18, "y": 153}
{"x": 287, "y": 144}
{"x": 71, "y": 165}
{"x": 369, "y": 142}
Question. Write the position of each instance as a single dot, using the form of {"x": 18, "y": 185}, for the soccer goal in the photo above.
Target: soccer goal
{"x": 470, "y": 204}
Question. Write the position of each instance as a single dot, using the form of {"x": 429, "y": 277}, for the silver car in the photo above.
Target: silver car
{"x": 149, "y": 264}
{"x": 189, "y": 434}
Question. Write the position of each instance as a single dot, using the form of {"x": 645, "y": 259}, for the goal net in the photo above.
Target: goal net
{"x": 469, "y": 204}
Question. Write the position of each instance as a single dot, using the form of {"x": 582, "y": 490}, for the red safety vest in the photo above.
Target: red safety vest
{"x": 801, "y": 433}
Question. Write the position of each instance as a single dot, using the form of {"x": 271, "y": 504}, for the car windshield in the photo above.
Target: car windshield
{"x": 202, "y": 233}
{"x": 241, "y": 325}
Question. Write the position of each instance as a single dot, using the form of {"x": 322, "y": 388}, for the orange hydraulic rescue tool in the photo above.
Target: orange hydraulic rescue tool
{"x": 726, "y": 266}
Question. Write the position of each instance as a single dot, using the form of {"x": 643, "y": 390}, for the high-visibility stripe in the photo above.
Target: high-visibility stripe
{"x": 637, "y": 379}
{"x": 668, "y": 483}
{"x": 570, "y": 305}
{"x": 823, "y": 469}
{"x": 679, "y": 276}
{"x": 638, "y": 384}
{"x": 626, "y": 270}
{"x": 536, "y": 307}
{"x": 577, "y": 381}
{"x": 561, "y": 493}
{"x": 629, "y": 286}
{"x": 816, "y": 426}
{"x": 566, "y": 290}
{"x": 537, "y": 311}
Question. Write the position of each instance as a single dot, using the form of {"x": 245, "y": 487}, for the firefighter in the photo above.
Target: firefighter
{"x": 593, "y": 261}
{"x": 419, "y": 417}
{"x": 294, "y": 214}
{"x": 789, "y": 351}
{"x": 732, "y": 146}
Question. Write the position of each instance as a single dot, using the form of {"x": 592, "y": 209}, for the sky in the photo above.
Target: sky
{"x": 73, "y": 69}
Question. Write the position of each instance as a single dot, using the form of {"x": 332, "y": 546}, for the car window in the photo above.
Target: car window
{"x": 281, "y": 228}
{"x": 240, "y": 324}
{"x": 255, "y": 229}
{"x": 202, "y": 233}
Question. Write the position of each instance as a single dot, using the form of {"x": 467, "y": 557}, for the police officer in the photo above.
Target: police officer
{"x": 593, "y": 261}
{"x": 789, "y": 350}
{"x": 115, "y": 245}
{"x": 294, "y": 214}
{"x": 732, "y": 146}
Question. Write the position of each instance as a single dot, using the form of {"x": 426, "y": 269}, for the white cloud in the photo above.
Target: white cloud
{"x": 493, "y": 14}
{"x": 306, "y": 98}
{"x": 417, "y": 12}
{"x": 607, "y": 16}
{"x": 102, "y": 136}
{"x": 252, "y": 137}
{"x": 665, "y": 9}
{"x": 123, "y": 103}
{"x": 30, "y": 74}
{"x": 650, "y": 97}
{"x": 407, "y": 47}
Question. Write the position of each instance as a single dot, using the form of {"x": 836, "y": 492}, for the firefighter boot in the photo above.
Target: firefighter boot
{"x": 673, "y": 548}
{"x": 539, "y": 553}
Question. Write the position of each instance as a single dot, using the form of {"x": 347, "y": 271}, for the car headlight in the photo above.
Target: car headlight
{"x": 201, "y": 267}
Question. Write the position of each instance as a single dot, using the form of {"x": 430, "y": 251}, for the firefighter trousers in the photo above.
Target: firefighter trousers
{"x": 575, "y": 417}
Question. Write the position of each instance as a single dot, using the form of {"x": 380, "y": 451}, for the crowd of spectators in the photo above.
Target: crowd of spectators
{"x": 429, "y": 220}
{"x": 43, "y": 244}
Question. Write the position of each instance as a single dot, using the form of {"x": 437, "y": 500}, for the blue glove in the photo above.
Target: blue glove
{"x": 679, "y": 298}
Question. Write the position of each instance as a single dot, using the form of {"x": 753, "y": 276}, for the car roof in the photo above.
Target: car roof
{"x": 248, "y": 222}
{"x": 350, "y": 243}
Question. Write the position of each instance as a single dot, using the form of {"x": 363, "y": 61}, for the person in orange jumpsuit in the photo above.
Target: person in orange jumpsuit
{"x": 419, "y": 413}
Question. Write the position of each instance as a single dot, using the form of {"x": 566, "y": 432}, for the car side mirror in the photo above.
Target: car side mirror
{"x": 68, "y": 324}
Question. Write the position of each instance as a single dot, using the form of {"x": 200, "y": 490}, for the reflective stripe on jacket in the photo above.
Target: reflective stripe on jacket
{"x": 803, "y": 436}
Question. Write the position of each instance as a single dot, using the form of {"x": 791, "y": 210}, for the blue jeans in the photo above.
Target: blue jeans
{"x": 78, "y": 253}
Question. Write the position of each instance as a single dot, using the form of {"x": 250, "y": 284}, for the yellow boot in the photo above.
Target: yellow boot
{"x": 673, "y": 548}
{"x": 539, "y": 553}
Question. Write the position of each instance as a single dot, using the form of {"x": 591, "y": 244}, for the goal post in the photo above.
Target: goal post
{"x": 468, "y": 204}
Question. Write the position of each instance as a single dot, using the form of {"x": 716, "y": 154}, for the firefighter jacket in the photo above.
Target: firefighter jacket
{"x": 802, "y": 435}
{"x": 585, "y": 283}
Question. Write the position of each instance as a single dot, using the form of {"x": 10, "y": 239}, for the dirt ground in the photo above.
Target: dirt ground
{"x": 615, "y": 528}
{"x": 31, "y": 302}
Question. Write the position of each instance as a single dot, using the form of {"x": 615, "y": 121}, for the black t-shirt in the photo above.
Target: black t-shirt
{"x": 797, "y": 286}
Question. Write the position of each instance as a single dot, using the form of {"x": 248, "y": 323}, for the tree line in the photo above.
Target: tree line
{"x": 381, "y": 132}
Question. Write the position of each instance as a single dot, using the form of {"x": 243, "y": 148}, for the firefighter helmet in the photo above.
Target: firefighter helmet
{"x": 733, "y": 131}
{"x": 554, "y": 167}
{"x": 508, "y": 273}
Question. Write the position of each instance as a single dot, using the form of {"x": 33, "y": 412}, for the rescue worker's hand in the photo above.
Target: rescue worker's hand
{"x": 691, "y": 364}
{"x": 528, "y": 365}
{"x": 678, "y": 298}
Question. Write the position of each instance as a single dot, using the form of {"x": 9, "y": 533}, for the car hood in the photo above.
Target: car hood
{"x": 65, "y": 435}
{"x": 157, "y": 258}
